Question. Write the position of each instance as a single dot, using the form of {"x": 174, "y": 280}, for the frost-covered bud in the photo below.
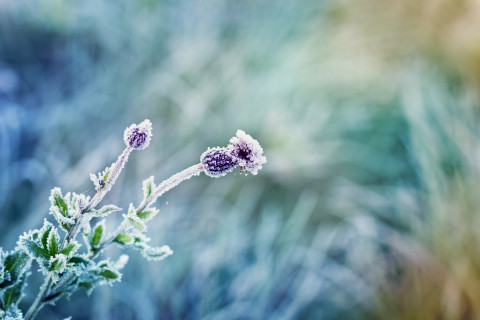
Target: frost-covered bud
{"x": 248, "y": 152}
{"x": 138, "y": 136}
{"x": 218, "y": 162}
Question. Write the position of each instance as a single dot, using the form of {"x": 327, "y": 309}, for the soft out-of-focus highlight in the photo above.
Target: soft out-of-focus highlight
{"x": 368, "y": 112}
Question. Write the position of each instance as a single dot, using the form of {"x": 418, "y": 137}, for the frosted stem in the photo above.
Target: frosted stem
{"x": 170, "y": 183}
{"x": 115, "y": 170}
{"x": 163, "y": 187}
{"x": 38, "y": 303}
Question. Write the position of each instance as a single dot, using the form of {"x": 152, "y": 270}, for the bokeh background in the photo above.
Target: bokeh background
{"x": 368, "y": 112}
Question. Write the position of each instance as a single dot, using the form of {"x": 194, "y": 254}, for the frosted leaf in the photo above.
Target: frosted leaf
{"x": 78, "y": 200}
{"x": 248, "y": 152}
{"x": 138, "y": 136}
{"x": 96, "y": 235}
{"x": 133, "y": 221}
{"x": 107, "y": 272}
{"x": 105, "y": 210}
{"x": 58, "y": 202}
{"x": 53, "y": 242}
{"x": 70, "y": 248}
{"x": 100, "y": 179}
{"x": 121, "y": 262}
{"x": 158, "y": 253}
{"x": 147, "y": 214}
{"x": 124, "y": 239}
{"x": 61, "y": 219}
{"x": 57, "y": 265}
{"x": 148, "y": 187}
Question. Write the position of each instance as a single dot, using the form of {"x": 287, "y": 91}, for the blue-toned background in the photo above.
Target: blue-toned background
{"x": 368, "y": 112}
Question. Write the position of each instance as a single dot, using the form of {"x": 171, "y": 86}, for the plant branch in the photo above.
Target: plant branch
{"x": 163, "y": 187}
{"x": 82, "y": 218}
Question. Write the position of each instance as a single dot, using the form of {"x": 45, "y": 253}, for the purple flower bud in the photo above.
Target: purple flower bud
{"x": 138, "y": 136}
{"x": 217, "y": 162}
{"x": 248, "y": 152}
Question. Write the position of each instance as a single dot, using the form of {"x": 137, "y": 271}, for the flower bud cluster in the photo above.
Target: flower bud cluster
{"x": 242, "y": 151}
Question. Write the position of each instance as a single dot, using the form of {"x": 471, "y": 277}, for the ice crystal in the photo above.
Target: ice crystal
{"x": 218, "y": 162}
{"x": 248, "y": 152}
{"x": 138, "y": 136}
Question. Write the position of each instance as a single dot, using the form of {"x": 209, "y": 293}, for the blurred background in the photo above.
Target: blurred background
{"x": 368, "y": 112}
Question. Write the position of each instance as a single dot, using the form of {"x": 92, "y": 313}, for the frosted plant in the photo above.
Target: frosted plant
{"x": 66, "y": 264}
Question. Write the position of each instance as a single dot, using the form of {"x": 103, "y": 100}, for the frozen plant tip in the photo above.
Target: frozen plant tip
{"x": 243, "y": 151}
{"x": 218, "y": 162}
{"x": 66, "y": 264}
{"x": 248, "y": 152}
{"x": 138, "y": 136}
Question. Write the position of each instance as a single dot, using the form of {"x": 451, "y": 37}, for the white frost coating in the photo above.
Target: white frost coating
{"x": 138, "y": 136}
{"x": 248, "y": 152}
{"x": 113, "y": 173}
{"x": 60, "y": 259}
{"x": 148, "y": 186}
{"x": 121, "y": 262}
{"x": 157, "y": 254}
{"x": 217, "y": 162}
{"x": 170, "y": 183}
{"x": 166, "y": 251}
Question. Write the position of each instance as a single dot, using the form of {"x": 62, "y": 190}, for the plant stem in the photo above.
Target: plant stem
{"x": 170, "y": 183}
{"x": 38, "y": 303}
{"x": 163, "y": 187}
{"x": 115, "y": 170}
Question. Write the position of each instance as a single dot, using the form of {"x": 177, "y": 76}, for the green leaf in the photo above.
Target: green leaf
{"x": 63, "y": 221}
{"x": 97, "y": 234}
{"x": 109, "y": 274}
{"x": 80, "y": 260}
{"x": 45, "y": 233}
{"x": 65, "y": 226}
{"x": 148, "y": 187}
{"x": 106, "y": 173}
{"x": 13, "y": 294}
{"x": 88, "y": 285}
{"x": 52, "y": 242}
{"x": 58, "y": 263}
{"x": 124, "y": 238}
{"x": 140, "y": 242}
{"x": 33, "y": 249}
{"x": 35, "y": 235}
{"x": 70, "y": 248}
{"x": 136, "y": 222}
{"x": 105, "y": 211}
{"x": 147, "y": 214}
{"x": 157, "y": 254}
{"x": 58, "y": 201}
{"x": 15, "y": 264}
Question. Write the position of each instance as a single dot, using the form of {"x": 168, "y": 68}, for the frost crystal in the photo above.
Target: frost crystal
{"x": 138, "y": 136}
{"x": 218, "y": 162}
{"x": 248, "y": 152}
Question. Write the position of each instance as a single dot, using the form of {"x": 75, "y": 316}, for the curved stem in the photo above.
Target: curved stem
{"x": 163, "y": 187}
{"x": 37, "y": 305}
{"x": 170, "y": 183}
